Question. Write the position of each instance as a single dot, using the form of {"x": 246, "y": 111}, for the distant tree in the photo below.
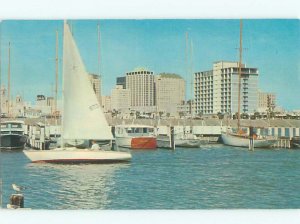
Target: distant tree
{"x": 244, "y": 116}
{"x": 220, "y": 115}
{"x": 257, "y": 115}
{"x": 160, "y": 113}
{"x": 181, "y": 114}
{"x": 235, "y": 116}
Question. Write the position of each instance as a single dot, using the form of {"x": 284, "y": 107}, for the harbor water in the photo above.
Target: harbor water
{"x": 211, "y": 177}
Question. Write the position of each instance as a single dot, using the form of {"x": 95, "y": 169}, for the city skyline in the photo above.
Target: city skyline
{"x": 272, "y": 46}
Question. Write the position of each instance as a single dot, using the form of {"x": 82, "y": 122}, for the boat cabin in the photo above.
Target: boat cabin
{"x": 12, "y": 127}
{"x": 134, "y": 130}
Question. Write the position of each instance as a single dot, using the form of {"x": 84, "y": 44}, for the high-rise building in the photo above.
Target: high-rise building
{"x": 170, "y": 92}
{"x": 141, "y": 85}
{"x": 266, "y": 101}
{"x": 121, "y": 81}
{"x": 96, "y": 83}
{"x": 217, "y": 90}
{"x": 120, "y": 98}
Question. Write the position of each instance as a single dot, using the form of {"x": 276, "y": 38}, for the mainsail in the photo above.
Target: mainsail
{"x": 83, "y": 117}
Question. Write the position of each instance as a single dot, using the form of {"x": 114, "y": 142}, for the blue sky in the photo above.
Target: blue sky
{"x": 159, "y": 45}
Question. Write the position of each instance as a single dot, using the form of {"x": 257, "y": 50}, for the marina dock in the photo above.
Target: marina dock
{"x": 208, "y": 130}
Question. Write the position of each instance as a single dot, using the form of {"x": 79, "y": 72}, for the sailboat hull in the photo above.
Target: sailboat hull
{"x": 240, "y": 141}
{"x": 74, "y": 155}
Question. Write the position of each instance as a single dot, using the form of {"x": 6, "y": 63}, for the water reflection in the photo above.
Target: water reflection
{"x": 84, "y": 186}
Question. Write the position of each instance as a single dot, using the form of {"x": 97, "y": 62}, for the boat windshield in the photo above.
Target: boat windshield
{"x": 16, "y": 125}
{"x": 11, "y": 125}
{"x": 4, "y": 125}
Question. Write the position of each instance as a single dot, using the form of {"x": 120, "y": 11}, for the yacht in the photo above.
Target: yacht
{"x": 12, "y": 135}
{"x": 135, "y": 136}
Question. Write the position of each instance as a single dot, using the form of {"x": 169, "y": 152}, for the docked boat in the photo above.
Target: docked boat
{"x": 243, "y": 140}
{"x": 12, "y": 135}
{"x": 296, "y": 142}
{"x": 240, "y": 138}
{"x": 135, "y": 136}
{"x": 187, "y": 140}
{"x": 183, "y": 139}
{"x": 82, "y": 116}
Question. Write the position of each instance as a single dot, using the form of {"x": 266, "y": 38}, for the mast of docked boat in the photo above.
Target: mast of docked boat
{"x": 192, "y": 86}
{"x": 56, "y": 83}
{"x": 187, "y": 64}
{"x": 240, "y": 74}
{"x": 8, "y": 83}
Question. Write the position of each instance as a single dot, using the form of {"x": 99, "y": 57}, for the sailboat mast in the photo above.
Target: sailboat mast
{"x": 186, "y": 56}
{"x": 8, "y": 81}
{"x": 240, "y": 74}
{"x": 56, "y": 74}
{"x": 191, "y": 75}
{"x": 99, "y": 63}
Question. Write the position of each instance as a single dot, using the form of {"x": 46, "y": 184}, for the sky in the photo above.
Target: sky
{"x": 159, "y": 45}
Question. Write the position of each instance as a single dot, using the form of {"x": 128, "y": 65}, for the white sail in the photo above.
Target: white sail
{"x": 83, "y": 117}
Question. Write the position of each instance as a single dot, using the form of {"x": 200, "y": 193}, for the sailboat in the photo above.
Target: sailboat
{"x": 240, "y": 138}
{"x": 82, "y": 116}
{"x": 188, "y": 139}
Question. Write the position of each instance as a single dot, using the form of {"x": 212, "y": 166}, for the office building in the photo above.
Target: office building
{"x": 140, "y": 82}
{"x": 216, "y": 90}
{"x": 266, "y": 101}
{"x": 120, "y": 98}
{"x": 170, "y": 92}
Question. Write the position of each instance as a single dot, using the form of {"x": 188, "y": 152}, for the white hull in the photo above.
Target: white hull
{"x": 237, "y": 141}
{"x": 188, "y": 143}
{"x": 74, "y": 155}
{"x": 139, "y": 142}
{"x": 124, "y": 142}
{"x": 165, "y": 142}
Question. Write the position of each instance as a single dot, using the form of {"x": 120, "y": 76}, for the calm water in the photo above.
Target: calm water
{"x": 212, "y": 177}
